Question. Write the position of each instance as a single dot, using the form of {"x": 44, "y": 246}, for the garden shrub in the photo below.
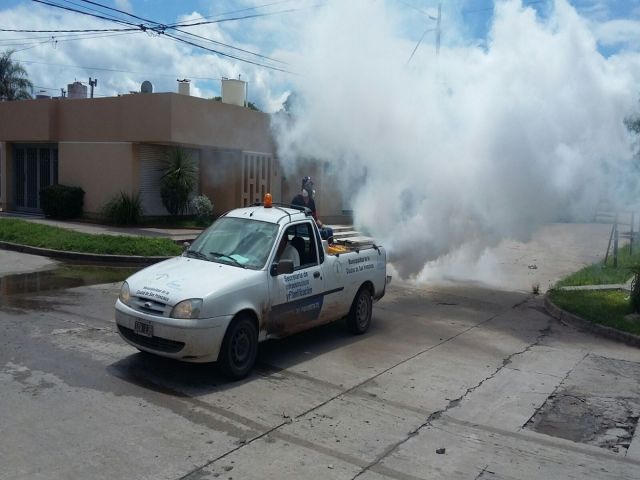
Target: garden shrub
{"x": 62, "y": 201}
{"x": 202, "y": 208}
{"x": 179, "y": 177}
{"x": 634, "y": 296}
{"x": 123, "y": 209}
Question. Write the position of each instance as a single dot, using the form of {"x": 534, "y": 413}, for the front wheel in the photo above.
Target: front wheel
{"x": 239, "y": 348}
{"x": 359, "y": 317}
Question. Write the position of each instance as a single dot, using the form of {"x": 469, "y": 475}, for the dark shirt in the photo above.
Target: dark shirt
{"x": 298, "y": 200}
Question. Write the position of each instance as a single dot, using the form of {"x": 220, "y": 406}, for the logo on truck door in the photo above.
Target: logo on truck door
{"x": 359, "y": 264}
{"x": 298, "y": 311}
{"x": 297, "y": 285}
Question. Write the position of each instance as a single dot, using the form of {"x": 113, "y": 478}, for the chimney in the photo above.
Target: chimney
{"x": 184, "y": 86}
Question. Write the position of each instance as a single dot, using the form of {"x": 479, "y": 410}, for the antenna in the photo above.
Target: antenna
{"x": 93, "y": 83}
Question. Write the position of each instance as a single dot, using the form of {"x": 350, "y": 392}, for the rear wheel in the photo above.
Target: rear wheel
{"x": 359, "y": 317}
{"x": 239, "y": 348}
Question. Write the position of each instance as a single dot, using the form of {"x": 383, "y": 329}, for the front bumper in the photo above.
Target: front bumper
{"x": 193, "y": 340}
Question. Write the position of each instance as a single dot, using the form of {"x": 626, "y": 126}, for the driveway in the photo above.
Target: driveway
{"x": 455, "y": 380}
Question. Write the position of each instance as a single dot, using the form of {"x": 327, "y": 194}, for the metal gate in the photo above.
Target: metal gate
{"x": 34, "y": 168}
{"x": 258, "y": 172}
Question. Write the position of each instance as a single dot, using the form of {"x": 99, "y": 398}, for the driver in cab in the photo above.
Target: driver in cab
{"x": 286, "y": 251}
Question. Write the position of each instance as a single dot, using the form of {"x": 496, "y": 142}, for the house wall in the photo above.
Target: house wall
{"x": 146, "y": 118}
{"x": 27, "y": 121}
{"x": 101, "y": 169}
{"x": 196, "y": 121}
{"x": 97, "y": 141}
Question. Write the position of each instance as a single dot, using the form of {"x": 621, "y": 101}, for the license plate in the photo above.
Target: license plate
{"x": 143, "y": 328}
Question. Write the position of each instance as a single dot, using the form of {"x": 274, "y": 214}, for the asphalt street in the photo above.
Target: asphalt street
{"x": 453, "y": 380}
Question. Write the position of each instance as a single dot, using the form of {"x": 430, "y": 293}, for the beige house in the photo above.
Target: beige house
{"x": 109, "y": 145}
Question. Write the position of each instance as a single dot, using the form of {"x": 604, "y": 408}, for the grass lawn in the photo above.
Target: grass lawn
{"x": 606, "y": 308}
{"x": 36, "y": 235}
{"x": 599, "y": 274}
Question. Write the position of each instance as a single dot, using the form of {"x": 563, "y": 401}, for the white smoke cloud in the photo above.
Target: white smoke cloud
{"x": 616, "y": 32}
{"x": 470, "y": 147}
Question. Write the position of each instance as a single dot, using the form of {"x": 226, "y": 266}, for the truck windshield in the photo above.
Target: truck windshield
{"x": 236, "y": 241}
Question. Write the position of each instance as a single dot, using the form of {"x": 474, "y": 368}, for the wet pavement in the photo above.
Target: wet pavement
{"x": 14, "y": 262}
{"x": 452, "y": 381}
{"x": 23, "y": 291}
{"x": 598, "y": 403}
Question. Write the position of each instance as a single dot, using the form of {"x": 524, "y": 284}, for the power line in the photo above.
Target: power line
{"x": 83, "y": 30}
{"x": 419, "y": 42}
{"x": 75, "y": 10}
{"x": 90, "y": 9}
{"x": 257, "y": 15}
{"x": 160, "y": 29}
{"x": 413, "y": 7}
{"x": 234, "y": 12}
{"x": 42, "y": 37}
{"x": 54, "y": 40}
{"x": 119, "y": 11}
{"x": 168, "y": 35}
{"x": 229, "y": 46}
{"x": 58, "y": 89}
{"x": 104, "y": 69}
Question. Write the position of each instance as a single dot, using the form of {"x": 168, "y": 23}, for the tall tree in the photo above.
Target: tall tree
{"x": 14, "y": 82}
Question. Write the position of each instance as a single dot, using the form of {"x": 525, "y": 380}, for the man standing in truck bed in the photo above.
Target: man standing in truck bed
{"x": 305, "y": 199}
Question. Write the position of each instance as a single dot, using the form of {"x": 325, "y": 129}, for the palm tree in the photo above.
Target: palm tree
{"x": 14, "y": 83}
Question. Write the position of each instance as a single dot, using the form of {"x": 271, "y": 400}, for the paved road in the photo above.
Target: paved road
{"x": 482, "y": 373}
{"x": 14, "y": 263}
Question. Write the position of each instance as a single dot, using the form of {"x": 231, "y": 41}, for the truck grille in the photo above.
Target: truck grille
{"x": 149, "y": 306}
{"x": 156, "y": 343}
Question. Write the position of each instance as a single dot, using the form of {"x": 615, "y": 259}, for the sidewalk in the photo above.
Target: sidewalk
{"x": 341, "y": 232}
{"x": 176, "y": 234}
{"x": 607, "y": 286}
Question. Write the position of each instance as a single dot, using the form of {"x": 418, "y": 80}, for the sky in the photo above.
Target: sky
{"x": 121, "y": 61}
{"x": 517, "y": 118}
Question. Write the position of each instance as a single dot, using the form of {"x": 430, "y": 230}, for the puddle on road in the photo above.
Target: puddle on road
{"x": 20, "y": 291}
{"x": 581, "y": 411}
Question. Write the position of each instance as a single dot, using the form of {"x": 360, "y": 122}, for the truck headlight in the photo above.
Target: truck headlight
{"x": 125, "y": 294}
{"x": 187, "y": 308}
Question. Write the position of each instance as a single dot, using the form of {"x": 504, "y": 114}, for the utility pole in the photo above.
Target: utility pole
{"x": 438, "y": 30}
{"x": 93, "y": 83}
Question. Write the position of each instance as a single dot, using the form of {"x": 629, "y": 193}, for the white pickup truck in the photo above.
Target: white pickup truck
{"x": 230, "y": 290}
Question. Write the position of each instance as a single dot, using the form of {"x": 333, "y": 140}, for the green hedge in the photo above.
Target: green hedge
{"x": 62, "y": 201}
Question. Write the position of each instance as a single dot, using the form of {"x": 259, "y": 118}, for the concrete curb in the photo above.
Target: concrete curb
{"x": 121, "y": 260}
{"x": 569, "y": 318}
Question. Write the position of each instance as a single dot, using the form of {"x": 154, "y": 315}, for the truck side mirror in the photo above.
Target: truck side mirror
{"x": 281, "y": 267}
{"x": 185, "y": 245}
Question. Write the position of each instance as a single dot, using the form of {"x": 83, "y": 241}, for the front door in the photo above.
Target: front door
{"x": 35, "y": 167}
{"x": 297, "y": 298}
